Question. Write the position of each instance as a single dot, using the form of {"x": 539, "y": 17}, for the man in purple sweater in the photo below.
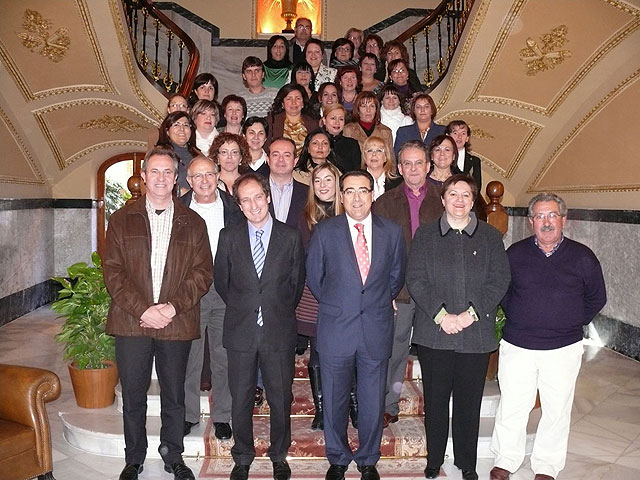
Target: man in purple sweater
{"x": 556, "y": 288}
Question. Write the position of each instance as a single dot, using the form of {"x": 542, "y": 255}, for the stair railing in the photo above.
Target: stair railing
{"x": 159, "y": 46}
{"x": 440, "y": 31}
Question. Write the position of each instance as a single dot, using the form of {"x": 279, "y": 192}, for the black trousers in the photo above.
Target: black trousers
{"x": 134, "y": 356}
{"x": 277, "y": 374}
{"x": 446, "y": 372}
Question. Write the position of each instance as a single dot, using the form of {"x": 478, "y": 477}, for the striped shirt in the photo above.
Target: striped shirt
{"x": 160, "y": 226}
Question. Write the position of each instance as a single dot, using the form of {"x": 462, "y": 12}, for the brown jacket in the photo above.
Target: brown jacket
{"x": 395, "y": 206}
{"x": 127, "y": 272}
{"x": 354, "y": 130}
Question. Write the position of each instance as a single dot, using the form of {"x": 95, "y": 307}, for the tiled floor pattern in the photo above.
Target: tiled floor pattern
{"x": 604, "y": 441}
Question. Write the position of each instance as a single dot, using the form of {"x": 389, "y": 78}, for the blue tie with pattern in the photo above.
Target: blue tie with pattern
{"x": 258, "y": 261}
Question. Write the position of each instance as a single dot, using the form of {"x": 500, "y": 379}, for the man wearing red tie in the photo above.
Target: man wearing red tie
{"x": 355, "y": 268}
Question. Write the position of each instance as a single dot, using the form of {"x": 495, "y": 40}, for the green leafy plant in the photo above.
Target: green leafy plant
{"x": 84, "y": 303}
{"x": 501, "y": 319}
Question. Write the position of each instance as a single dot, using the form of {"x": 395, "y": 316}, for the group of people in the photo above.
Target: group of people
{"x": 283, "y": 230}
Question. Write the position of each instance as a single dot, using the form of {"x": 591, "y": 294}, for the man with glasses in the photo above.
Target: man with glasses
{"x": 411, "y": 204}
{"x": 301, "y": 35}
{"x": 355, "y": 268}
{"x": 157, "y": 266}
{"x": 218, "y": 210}
{"x": 557, "y": 287}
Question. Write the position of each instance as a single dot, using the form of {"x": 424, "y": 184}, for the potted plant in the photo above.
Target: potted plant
{"x": 84, "y": 303}
{"x": 492, "y": 369}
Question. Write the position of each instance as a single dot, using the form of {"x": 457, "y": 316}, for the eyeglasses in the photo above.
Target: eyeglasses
{"x": 377, "y": 151}
{"x": 181, "y": 125}
{"x": 398, "y": 70}
{"x": 343, "y": 48}
{"x": 178, "y": 105}
{"x": 350, "y": 192}
{"x": 543, "y": 216}
{"x": 199, "y": 176}
{"x": 233, "y": 153}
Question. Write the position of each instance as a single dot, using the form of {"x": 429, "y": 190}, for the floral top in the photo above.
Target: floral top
{"x": 325, "y": 74}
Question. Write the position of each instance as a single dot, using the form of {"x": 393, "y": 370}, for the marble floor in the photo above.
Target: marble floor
{"x": 604, "y": 441}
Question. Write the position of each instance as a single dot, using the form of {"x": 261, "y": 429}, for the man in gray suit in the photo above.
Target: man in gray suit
{"x": 259, "y": 273}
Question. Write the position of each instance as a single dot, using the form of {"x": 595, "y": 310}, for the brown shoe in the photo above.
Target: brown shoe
{"x": 387, "y": 418}
{"x": 498, "y": 473}
{"x": 542, "y": 476}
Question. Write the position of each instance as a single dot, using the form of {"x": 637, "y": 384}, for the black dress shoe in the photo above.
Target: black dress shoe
{"x": 336, "y": 472}
{"x": 469, "y": 475}
{"x": 187, "y": 427}
{"x": 180, "y": 471}
{"x": 239, "y": 472}
{"x": 431, "y": 472}
{"x": 131, "y": 471}
{"x": 223, "y": 430}
{"x": 281, "y": 470}
{"x": 369, "y": 472}
{"x": 258, "y": 397}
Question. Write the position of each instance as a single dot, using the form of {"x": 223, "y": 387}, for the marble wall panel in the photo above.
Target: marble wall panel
{"x": 26, "y": 248}
{"x": 74, "y": 237}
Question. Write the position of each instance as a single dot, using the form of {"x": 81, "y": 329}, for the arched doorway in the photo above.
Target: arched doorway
{"x": 118, "y": 182}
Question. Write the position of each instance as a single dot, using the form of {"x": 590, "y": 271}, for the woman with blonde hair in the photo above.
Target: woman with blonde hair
{"x": 347, "y": 149}
{"x": 375, "y": 160}
{"x": 323, "y": 202}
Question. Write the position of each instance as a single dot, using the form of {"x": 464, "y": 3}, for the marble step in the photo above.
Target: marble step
{"x": 101, "y": 432}
{"x": 410, "y": 400}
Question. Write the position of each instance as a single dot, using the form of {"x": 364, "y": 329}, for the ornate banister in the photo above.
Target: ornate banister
{"x": 153, "y": 32}
{"x": 445, "y": 23}
{"x": 496, "y": 214}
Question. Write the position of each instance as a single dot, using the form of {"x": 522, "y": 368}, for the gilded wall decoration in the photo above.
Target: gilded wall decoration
{"x": 547, "y": 53}
{"x": 112, "y": 123}
{"x": 37, "y": 36}
{"x": 477, "y": 132}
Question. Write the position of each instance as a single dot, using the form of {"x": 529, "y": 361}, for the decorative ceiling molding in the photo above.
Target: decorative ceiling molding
{"x": 461, "y": 62}
{"x": 588, "y": 65}
{"x": 534, "y": 129}
{"x": 544, "y": 55}
{"x": 99, "y": 146}
{"x": 111, "y": 123}
{"x": 37, "y": 38}
{"x": 533, "y": 188}
{"x": 40, "y": 117}
{"x": 30, "y": 95}
{"x": 125, "y": 50}
{"x": 25, "y": 151}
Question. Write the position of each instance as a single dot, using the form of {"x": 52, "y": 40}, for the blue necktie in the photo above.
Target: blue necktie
{"x": 258, "y": 261}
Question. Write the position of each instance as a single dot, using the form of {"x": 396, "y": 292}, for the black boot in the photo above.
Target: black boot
{"x": 353, "y": 404}
{"x": 316, "y": 390}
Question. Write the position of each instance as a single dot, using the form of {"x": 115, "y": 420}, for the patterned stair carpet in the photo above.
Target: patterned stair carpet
{"x": 403, "y": 445}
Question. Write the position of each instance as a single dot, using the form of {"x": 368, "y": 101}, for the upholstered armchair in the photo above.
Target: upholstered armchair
{"x": 25, "y": 438}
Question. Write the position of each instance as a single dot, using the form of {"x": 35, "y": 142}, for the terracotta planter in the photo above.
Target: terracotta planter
{"x": 94, "y": 388}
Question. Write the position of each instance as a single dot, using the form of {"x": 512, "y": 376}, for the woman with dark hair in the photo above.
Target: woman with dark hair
{"x": 466, "y": 162}
{"x": 391, "y": 113}
{"x": 457, "y": 274}
{"x": 393, "y": 50}
{"x": 373, "y": 44}
{"x": 314, "y": 55}
{"x": 204, "y": 115}
{"x": 234, "y": 109}
{"x": 323, "y": 202}
{"x": 423, "y": 111}
{"x": 369, "y": 66}
{"x": 205, "y": 87}
{"x": 290, "y": 116}
{"x": 342, "y": 53}
{"x": 316, "y": 151}
{"x": 177, "y": 132}
{"x": 255, "y": 131}
{"x": 350, "y": 81}
{"x": 347, "y": 149}
{"x": 366, "y": 123}
{"x": 231, "y": 153}
{"x": 302, "y": 74}
{"x": 328, "y": 94}
{"x": 399, "y": 78}
{"x": 277, "y": 66}
{"x": 443, "y": 154}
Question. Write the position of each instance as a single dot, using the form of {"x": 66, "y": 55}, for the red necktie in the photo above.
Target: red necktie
{"x": 362, "y": 252}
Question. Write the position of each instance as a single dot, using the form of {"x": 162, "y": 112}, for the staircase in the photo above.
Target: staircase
{"x": 403, "y": 444}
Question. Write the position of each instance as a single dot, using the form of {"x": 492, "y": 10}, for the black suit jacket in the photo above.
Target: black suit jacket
{"x": 277, "y": 291}
{"x": 472, "y": 167}
{"x": 298, "y": 202}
